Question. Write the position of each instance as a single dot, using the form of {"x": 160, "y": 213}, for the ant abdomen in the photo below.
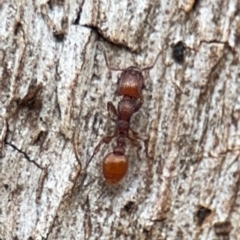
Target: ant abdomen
{"x": 115, "y": 167}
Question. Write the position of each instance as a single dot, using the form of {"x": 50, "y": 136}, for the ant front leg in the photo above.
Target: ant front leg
{"x": 111, "y": 109}
{"x": 138, "y": 105}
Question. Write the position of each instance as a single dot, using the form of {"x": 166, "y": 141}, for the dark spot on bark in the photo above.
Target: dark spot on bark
{"x": 201, "y": 214}
{"x": 17, "y": 28}
{"x": 128, "y": 206}
{"x": 222, "y": 228}
{"x": 77, "y": 19}
{"x": 195, "y": 5}
{"x": 178, "y": 52}
{"x": 59, "y": 35}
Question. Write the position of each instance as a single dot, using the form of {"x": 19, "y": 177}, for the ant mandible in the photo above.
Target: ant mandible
{"x": 129, "y": 85}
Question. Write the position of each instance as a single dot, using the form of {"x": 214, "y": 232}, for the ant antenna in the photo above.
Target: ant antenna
{"x": 120, "y": 69}
{"x": 151, "y": 66}
{"x": 106, "y": 59}
{"x": 94, "y": 153}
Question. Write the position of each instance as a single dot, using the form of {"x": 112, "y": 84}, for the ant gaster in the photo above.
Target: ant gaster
{"x": 130, "y": 85}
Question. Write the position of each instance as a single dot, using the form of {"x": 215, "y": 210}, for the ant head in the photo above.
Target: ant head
{"x": 130, "y": 83}
{"x": 131, "y": 74}
{"x": 114, "y": 167}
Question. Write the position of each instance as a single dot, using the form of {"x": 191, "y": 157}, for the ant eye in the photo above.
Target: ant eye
{"x": 143, "y": 86}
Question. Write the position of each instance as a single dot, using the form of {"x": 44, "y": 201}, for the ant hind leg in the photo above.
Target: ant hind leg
{"x": 105, "y": 140}
{"x": 134, "y": 141}
{"x": 144, "y": 140}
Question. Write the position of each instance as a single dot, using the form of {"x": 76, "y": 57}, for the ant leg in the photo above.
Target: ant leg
{"x": 135, "y": 134}
{"x": 111, "y": 68}
{"x": 144, "y": 140}
{"x": 106, "y": 140}
{"x": 138, "y": 106}
{"x": 111, "y": 109}
{"x": 135, "y": 143}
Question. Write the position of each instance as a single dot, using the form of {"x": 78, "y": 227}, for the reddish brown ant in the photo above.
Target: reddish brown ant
{"x": 130, "y": 85}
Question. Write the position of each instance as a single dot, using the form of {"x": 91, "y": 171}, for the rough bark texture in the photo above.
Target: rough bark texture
{"x": 54, "y": 88}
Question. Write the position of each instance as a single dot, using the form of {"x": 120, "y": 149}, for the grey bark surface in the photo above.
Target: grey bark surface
{"x": 54, "y": 89}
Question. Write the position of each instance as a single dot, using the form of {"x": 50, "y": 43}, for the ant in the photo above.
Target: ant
{"x": 129, "y": 85}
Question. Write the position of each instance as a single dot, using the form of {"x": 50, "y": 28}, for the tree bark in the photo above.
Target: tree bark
{"x": 54, "y": 89}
